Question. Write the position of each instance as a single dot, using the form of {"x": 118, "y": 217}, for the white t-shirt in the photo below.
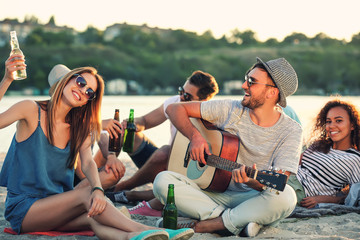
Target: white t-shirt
{"x": 173, "y": 99}
{"x": 278, "y": 146}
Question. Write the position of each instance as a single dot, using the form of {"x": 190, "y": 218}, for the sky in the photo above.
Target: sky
{"x": 268, "y": 19}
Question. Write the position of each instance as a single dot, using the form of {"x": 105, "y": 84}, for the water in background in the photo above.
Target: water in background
{"x": 305, "y": 106}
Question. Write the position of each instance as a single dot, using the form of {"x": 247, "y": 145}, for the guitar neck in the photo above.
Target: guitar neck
{"x": 224, "y": 164}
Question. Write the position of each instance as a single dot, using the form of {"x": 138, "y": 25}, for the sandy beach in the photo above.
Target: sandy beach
{"x": 345, "y": 226}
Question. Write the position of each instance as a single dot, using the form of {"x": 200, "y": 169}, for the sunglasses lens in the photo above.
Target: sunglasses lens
{"x": 187, "y": 97}
{"x": 248, "y": 81}
{"x": 80, "y": 81}
{"x": 90, "y": 93}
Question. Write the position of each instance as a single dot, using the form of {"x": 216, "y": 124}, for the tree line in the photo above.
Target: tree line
{"x": 161, "y": 60}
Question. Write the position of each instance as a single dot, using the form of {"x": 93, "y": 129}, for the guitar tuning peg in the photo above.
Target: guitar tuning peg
{"x": 276, "y": 169}
{"x": 270, "y": 168}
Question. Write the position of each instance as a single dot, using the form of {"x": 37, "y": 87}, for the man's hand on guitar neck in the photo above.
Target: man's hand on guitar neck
{"x": 198, "y": 146}
{"x": 239, "y": 175}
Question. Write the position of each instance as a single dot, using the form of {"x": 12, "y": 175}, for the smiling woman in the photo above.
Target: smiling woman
{"x": 333, "y": 159}
{"x": 38, "y": 170}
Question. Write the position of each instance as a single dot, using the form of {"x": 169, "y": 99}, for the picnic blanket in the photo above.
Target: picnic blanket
{"x": 322, "y": 210}
{"x": 52, "y": 233}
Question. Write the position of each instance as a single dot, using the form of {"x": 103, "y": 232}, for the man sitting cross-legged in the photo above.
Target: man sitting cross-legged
{"x": 268, "y": 139}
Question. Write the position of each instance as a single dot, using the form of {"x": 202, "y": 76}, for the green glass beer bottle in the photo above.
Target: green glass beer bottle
{"x": 129, "y": 135}
{"x": 15, "y": 49}
{"x": 114, "y": 143}
{"x": 170, "y": 213}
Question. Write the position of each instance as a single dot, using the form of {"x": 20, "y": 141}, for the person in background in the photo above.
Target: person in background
{"x": 38, "y": 170}
{"x": 268, "y": 139}
{"x": 291, "y": 113}
{"x": 332, "y": 161}
{"x": 151, "y": 160}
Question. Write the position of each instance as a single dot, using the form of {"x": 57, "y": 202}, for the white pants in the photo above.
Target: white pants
{"x": 237, "y": 208}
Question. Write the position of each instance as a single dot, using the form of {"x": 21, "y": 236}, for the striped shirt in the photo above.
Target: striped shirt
{"x": 327, "y": 174}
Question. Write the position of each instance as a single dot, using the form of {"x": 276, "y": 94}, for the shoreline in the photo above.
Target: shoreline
{"x": 345, "y": 226}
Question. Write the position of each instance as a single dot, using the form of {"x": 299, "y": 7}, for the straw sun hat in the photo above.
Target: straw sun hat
{"x": 56, "y": 73}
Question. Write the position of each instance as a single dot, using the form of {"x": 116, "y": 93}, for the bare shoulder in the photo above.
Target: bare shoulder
{"x": 23, "y": 111}
{"x": 29, "y": 103}
{"x": 27, "y": 106}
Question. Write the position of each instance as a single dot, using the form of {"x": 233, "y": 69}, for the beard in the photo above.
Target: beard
{"x": 253, "y": 102}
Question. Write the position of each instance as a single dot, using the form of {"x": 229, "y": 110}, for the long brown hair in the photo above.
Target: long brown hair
{"x": 319, "y": 139}
{"x": 83, "y": 121}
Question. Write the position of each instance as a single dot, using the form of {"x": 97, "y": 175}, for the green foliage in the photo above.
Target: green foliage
{"x": 39, "y": 37}
{"x": 165, "y": 58}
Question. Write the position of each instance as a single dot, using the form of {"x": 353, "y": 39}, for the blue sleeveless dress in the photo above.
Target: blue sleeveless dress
{"x": 33, "y": 169}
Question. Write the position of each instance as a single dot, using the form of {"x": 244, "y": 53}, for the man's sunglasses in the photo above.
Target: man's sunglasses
{"x": 250, "y": 81}
{"x": 187, "y": 96}
{"x": 81, "y": 83}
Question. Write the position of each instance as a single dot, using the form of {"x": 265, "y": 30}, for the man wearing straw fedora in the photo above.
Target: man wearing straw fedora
{"x": 269, "y": 139}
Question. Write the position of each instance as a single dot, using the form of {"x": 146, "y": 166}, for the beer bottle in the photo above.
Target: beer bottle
{"x": 15, "y": 49}
{"x": 170, "y": 211}
{"x": 114, "y": 143}
{"x": 129, "y": 135}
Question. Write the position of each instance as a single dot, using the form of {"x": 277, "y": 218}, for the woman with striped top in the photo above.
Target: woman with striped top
{"x": 332, "y": 161}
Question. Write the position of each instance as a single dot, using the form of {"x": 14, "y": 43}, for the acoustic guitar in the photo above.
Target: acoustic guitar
{"x": 216, "y": 174}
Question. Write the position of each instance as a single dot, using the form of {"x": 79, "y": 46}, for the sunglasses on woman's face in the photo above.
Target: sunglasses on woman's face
{"x": 81, "y": 83}
{"x": 187, "y": 96}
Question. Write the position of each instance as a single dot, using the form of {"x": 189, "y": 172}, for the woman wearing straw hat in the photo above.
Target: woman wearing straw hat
{"x": 111, "y": 168}
{"x": 38, "y": 170}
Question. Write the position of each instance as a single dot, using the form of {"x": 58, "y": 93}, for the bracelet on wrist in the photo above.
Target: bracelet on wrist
{"x": 98, "y": 188}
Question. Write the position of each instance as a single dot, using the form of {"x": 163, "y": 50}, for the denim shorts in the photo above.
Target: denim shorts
{"x": 16, "y": 207}
{"x": 143, "y": 153}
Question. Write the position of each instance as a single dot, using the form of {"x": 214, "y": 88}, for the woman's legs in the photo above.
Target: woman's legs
{"x": 68, "y": 212}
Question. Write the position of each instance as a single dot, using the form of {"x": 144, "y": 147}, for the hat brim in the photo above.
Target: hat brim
{"x": 56, "y": 73}
{"x": 52, "y": 89}
{"x": 282, "y": 100}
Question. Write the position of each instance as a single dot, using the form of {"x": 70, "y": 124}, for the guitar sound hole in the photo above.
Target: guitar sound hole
{"x": 201, "y": 164}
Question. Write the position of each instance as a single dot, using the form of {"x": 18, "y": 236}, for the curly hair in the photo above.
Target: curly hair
{"x": 320, "y": 141}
